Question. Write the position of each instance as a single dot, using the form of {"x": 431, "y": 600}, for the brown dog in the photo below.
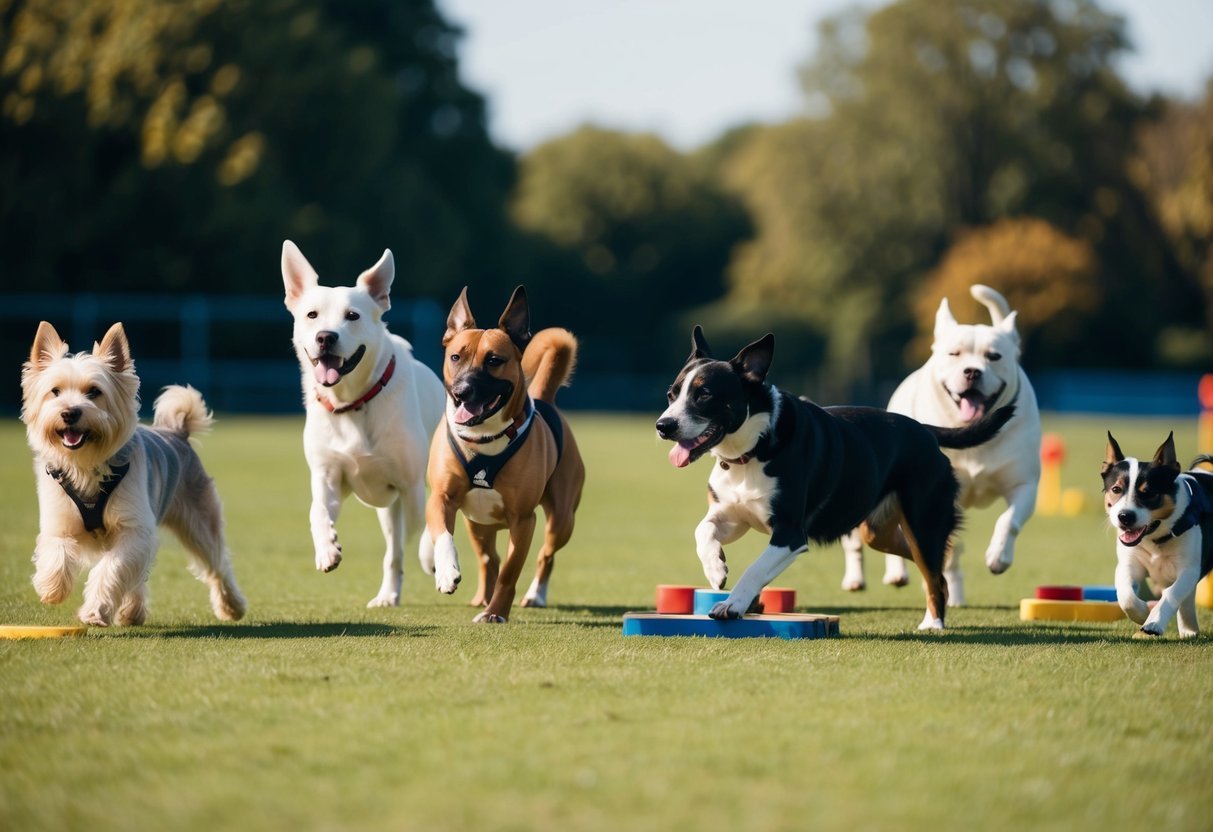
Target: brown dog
{"x": 504, "y": 451}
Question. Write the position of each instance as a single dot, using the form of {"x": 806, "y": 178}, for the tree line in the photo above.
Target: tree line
{"x": 171, "y": 145}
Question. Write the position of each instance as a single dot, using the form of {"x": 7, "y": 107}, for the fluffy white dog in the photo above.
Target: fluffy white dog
{"x": 105, "y": 482}
{"x": 371, "y": 410}
{"x": 973, "y": 369}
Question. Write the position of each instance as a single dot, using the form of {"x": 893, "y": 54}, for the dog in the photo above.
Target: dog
{"x": 105, "y": 482}
{"x": 1164, "y": 524}
{"x": 800, "y": 472}
{"x": 371, "y": 409}
{"x": 505, "y": 450}
{"x": 973, "y": 369}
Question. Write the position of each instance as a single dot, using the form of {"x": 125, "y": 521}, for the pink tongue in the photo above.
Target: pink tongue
{"x": 71, "y": 437}
{"x": 680, "y": 456}
{"x": 1129, "y": 536}
{"x": 463, "y": 415}
{"x": 326, "y": 375}
{"x": 968, "y": 410}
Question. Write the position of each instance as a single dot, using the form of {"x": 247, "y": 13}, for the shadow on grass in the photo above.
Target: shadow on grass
{"x": 282, "y": 630}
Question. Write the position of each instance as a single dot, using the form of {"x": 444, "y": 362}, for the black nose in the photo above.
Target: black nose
{"x": 1126, "y": 518}
{"x": 326, "y": 340}
{"x": 70, "y": 416}
{"x": 972, "y": 374}
{"x": 666, "y": 427}
{"x": 462, "y": 389}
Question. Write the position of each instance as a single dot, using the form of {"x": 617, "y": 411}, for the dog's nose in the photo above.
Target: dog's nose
{"x": 326, "y": 340}
{"x": 70, "y": 416}
{"x": 972, "y": 374}
{"x": 1127, "y": 518}
{"x": 666, "y": 426}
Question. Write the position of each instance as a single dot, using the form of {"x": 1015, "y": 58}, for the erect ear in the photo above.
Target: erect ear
{"x": 297, "y": 273}
{"x": 944, "y": 319}
{"x": 516, "y": 319}
{"x": 1165, "y": 457}
{"x": 47, "y": 347}
{"x": 1112, "y": 455}
{"x": 755, "y": 359}
{"x": 377, "y": 280}
{"x": 114, "y": 349}
{"x": 699, "y": 345}
{"x": 459, "y": 319}
{"x": 1007, "y": 325}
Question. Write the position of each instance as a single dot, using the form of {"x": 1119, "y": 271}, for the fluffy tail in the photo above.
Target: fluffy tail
{"x": 1204, "y": 462}
{"x": 182, "y": 411}
{"x": 991, "y": 300}
{"x": 983, "y": 430}
{"x": 549, "y": 361}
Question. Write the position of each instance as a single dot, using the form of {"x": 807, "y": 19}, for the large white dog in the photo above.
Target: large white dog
{"x": 371, "y": 410}
{"x": 973, "y": 369}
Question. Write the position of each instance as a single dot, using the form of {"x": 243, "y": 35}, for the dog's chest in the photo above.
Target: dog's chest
{"x": 484, "y": 506}
{"x": 744, "y": 492}
{"x": 1163, "y": 563}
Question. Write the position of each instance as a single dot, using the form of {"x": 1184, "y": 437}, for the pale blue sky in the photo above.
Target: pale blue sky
{"x": 688, "y": 69}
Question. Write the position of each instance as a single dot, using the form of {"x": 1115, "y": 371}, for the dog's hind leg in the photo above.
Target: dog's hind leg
{"x": 852, "y": 553}
{"x": 484, "y": 544}
{"x": 391, "y": 523}
{"x": 198, "y": 523}
{"x": 557, "y": 532}
{"x": 953, "y": 574}
{"x": 894, "y": 534}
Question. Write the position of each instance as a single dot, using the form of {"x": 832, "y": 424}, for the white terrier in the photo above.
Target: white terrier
{"x": 105, "y": 482}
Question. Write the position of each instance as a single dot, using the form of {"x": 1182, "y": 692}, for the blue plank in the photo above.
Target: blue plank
{"x": 786, "y": 626}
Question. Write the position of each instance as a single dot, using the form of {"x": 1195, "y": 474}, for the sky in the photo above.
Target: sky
{"x": 689, "y": 69}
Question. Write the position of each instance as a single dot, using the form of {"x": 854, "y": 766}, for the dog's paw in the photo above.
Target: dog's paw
{"x": 930, "y": 622}
{"x": 94, "y": 616}
{"x": 536, "y": 595}
{"x": 328, "y": 558}
{"x": 726, "y": 611}
{"x": 487, "y": 617}
{"x": 1145, "y": 634}
{"x": 897, "y": 580}
{"x": 716, "y": 570}
{"x": 384, "y": 599}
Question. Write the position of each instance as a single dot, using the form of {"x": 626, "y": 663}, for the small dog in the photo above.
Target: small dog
{"x": 371, "y": 409}
{"x": 972, "y": 370}
{"x": 800, "y": 472}
{"x": 1164, "y": 524}
{"x": 105, "y": 482}
{"x": 495, "y": 460}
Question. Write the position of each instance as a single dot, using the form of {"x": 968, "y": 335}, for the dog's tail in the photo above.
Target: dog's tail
{"x": 983, "y": 430}
{"x": 1204, "y": 462}
{"x": 549, "y": 361}
{"x": 991, "y": 300}
{"x": 182, "y": 411}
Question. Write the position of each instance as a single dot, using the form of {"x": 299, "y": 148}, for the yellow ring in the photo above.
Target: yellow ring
{"x": 18, "y": 631}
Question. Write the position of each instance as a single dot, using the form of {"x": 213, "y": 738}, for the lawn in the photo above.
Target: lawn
{"x": 317, "y": 713}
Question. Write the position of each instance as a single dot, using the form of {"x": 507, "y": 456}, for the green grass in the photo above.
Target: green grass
{"x": 316, "y": 713}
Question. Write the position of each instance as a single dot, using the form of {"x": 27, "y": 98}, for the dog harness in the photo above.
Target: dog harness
{"x": 1198, "y": 508}
{"x": 482, "y": 469}
{"x": 366, "y": 397}
{"x": 92, "y": 513}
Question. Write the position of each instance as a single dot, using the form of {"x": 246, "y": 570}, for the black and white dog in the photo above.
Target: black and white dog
{"x": 799, "y": 472}
{"x": 1164, "y": 528}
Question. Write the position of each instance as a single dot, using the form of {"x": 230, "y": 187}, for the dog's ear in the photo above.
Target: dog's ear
{"x": 1165, "y": 457}
{"x": 377, "y": 280}
{"x": 459, "y": 319}
{"x": 1007, "y": 325}
{"x": 114, "y": 349}
{"x": 297, "y": 273}
{"x": 516, "y": 319}
{"x": 699, "y": 345}
{"x": 48, "y": 347}
{"x": 754, "y": 360}
{"x": 1112, "y": 455}
{"x": 944, "y": 319}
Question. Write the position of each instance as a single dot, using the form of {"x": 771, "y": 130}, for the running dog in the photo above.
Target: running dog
{"x": 371, "y": 409}
{"x": 799, "y": 472}
{"x": 973, "y": 369}
{"x": 1164, "y": 528}
{"x": 495, "y": 460}
{"x": 105, "y": 482}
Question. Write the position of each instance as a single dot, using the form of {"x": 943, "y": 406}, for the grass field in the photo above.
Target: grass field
{"x": 316, "y": 713}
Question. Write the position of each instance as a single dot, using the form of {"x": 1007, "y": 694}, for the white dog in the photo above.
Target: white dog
{"x": 371, "y": 410}
{"x": 973, "y": 369}
{"x": 105, "y": 482}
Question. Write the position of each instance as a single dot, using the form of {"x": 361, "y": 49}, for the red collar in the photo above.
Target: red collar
{"x": 366, "y": 397}
{"x": 511, "y": 430}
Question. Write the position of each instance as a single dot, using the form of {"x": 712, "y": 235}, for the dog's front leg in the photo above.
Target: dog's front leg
{"x": 1129, "y": 573}
{"x": 118, "y": 581}
{"x": 1172, "y": 599}
{"x": 1021, "y": 502}
{"x": 522, "y": 530}
{"x": 56, "y": 564}
{"x": 773, "y": 560}
{"x": 440, "y": 526}
{"x": 714, "y": 530}
{"x": 391, "y": 521}
{"x": 326, "y": 506}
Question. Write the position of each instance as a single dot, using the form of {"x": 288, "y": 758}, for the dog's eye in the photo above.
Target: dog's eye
{"x": 1116, "y": 489}
{"x": 954, "y": 353}
{"x": 54, "y": 391}
{"x": 703, "y": 394}
{"x": 454, "y": 358}
{"x": 312, "y": 314}
{"x": 494, "y": 361}
{"x": 92, "y": 393}
{"x": 670, "y": 395}
{"x": 993, "y": 356}
{"x": 352, "y": 315}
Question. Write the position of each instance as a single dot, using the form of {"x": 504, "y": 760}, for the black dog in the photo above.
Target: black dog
{"x": 800, "y": 472}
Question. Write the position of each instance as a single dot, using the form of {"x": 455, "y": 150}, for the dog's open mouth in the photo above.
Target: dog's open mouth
{"x": 1131, "y": 537}
{"x": 73, "y": 439}
{"x": 972, "y": 404}
{"x": 468, "y": 414}
{"x": 330, "y": 368}
{"x": 688, "y": 450}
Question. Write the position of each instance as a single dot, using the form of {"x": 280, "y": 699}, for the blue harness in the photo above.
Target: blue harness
{"x": 482, "y": 469}
{"x": 1198, "y": 509}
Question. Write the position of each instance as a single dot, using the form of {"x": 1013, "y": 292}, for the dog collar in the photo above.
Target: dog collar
{"x": 1197, "y": 509}
{"x": 91, "y": 512}
{"x": 366, "y": 397}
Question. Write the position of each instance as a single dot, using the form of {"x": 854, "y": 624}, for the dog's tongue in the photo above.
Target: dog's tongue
{"x": 1131, "y": 537}
{"x": 680, "y": 454}
{"x": 971, "y": 407}
{"x": 326, "y": 370}
{"x": 72, "y": 438}
{"x": 465, "y": 414}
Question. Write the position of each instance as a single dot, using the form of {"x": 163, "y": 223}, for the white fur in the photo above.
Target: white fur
{"x": 1008, "y": 466}
{"x": 689, "y": 425}
{"x": 379, "y": 452}
{"x": 97, "y": 394}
